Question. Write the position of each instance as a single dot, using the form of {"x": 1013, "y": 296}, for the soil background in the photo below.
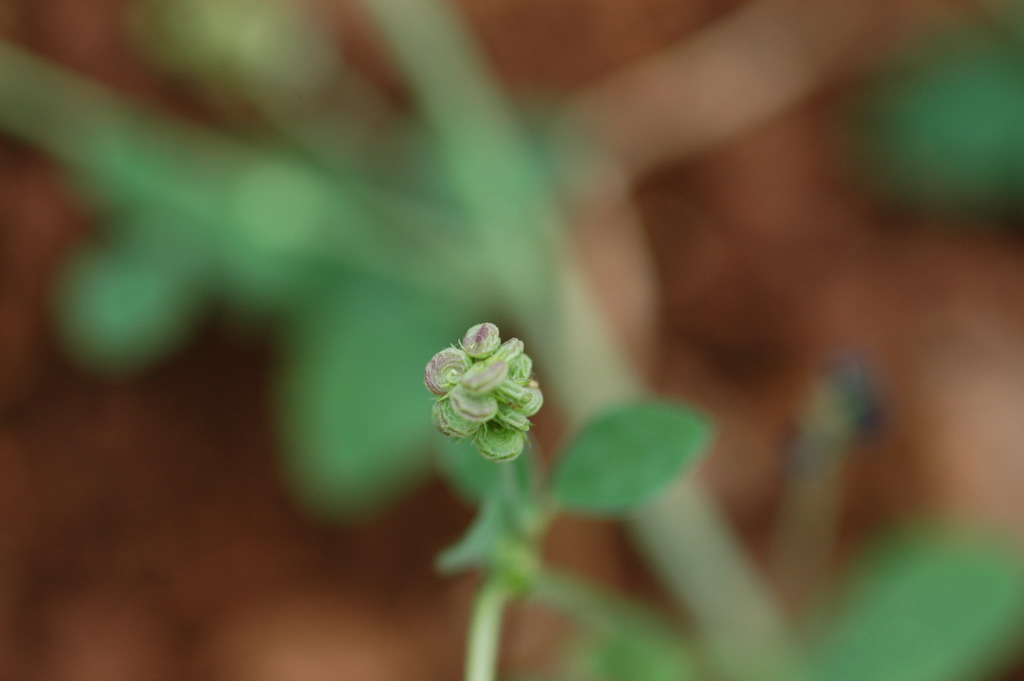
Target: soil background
{"x": 145, "y": 534}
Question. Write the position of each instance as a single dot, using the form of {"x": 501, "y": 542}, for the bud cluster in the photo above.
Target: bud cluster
{"x": 485, "y": 390}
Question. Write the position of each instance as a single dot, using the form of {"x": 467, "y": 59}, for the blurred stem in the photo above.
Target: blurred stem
{"x": 692, "y": 549}
{"x": 482, "y": 152}
{"x": 485, "y": 631}
{"x": 52, "y": 108}
{"x": 510, "y": 210}
{"x": 806, "y": 531}
{"x": 683, "y": 535}
{"x": 593, "y": 607}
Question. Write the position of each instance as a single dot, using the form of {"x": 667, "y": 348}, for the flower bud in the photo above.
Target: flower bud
{"x": 482, "y": 377}
{"x": 473, "y": 408}
{"x": 445, "y": 369}
{"x": 449, "y": 422}
{"x": 485, "y": 390}
{"x": 512, "y": 393}
{"x": 533, "y": 403}
{"x": 509, "y": 350}
{"x": 481, "y": 340}
{"x": 521, "y": 369}
{"x": 498, "y": 443}
{"x": 512, "y": 419}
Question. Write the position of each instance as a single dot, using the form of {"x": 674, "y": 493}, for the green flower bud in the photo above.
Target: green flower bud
{"x": 520, "y": 369}
{"x": 512, "y": 393}
{"x": 498, "y": 443}
{"x": 533, "y": 403}
{"x": 509, "y": 350}
{"x": 449, "y": 422}
{"x": 445, "y": 369}
{"x": 481, "y": 340}
{"x": 483, "y": 377}
{"x": 485, "y": 389}
{"x": 512, "y": 419}
{"x": 474, "y": 408}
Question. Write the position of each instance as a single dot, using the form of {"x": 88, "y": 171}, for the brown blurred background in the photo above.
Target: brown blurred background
{"x": 145, "y": 533}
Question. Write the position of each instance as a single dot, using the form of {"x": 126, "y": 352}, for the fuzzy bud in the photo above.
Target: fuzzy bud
{"x": 511, "y": 418}
{"x": 520, "y": 369}
{"x": 482, "y": 378}
{"x": 449, "y": 422}
{"x": 473, "y": 408}
{"x": 484, "y": 389}
{"x": 481, "y": 340}
{"x": 498, "y": 443}
{"x": 509, "y": 350}
{"x": 533, "y": 403}
{"x": 445, "y": 369}
{"x": 512, "y": 393}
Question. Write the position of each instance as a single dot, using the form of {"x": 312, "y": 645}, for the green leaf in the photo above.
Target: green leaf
{"x": 929, "y": 608}
{"x": 505, "y": 509}
{"x": 942, "y": 130}
{"x": 356, "y": 415}
{"x": 478, "y": 546}
{"x": 136, "y": 165}
{"x": 283, "y": 225}
{"x": 119, "y": 311}
{"x": 635, "y": 651}
{"x": 628, "y": 455}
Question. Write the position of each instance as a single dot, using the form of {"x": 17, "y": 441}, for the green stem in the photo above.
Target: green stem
{"x": 691, "y": 548}
{"x": 596, "y": 609}
{"x": 485, "y": 631}
{"x": 806, "y": 532}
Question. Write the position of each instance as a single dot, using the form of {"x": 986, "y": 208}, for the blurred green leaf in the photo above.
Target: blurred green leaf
{"x": 271, "y": 230}
{"x": 637, "y": 651}
{"x": 622, "y": 640}
{"x": 282, "y": 226}
{"x": 928, "y": 608}
{"x": 134, "y": 164}
{"x": 503, "y": 507}
{"x": 628, "y": 455}
{"x": 943, "y": 131}
{"x": 119, "y": 310}
{"x": 356, "y": 415}
{"x": 479, "y": 544}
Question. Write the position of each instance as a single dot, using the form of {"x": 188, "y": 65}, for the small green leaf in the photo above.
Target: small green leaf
{"x": 281, "y": 226}
{"x": 120, "y": 311}
{"x": 504, "y": 508}
{"x": 628, "y": 455}
{"x": 638, "y": 652}
{"x": 136, "y": 166}
{"x": 941, "y": 131}
{"x": 929, "y": 609}
{"x": 478, "y": 546}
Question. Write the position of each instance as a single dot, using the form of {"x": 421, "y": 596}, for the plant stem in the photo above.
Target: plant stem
{"x": 806, "y": 532}
{"x": 596, "y": 609}
{"x": 485, "y": 631}
{"x": 691, "y": 548}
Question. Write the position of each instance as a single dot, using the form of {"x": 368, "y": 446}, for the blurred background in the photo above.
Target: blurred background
{"x": 232, "y": 232}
